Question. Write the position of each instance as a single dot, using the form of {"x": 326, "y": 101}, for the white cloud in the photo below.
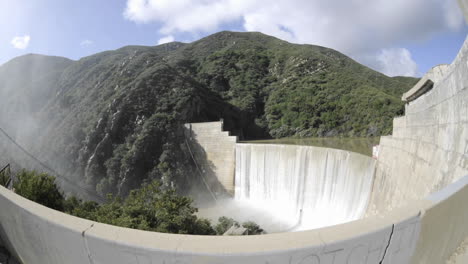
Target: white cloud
{"x": 186, "y": 15}
{"x": 358, "y": 28}
{"x": 86, "y": 43}
{"x": 166, "y": 39}
{"x": 396, "y": 62}
{"x": 21, "y": 42}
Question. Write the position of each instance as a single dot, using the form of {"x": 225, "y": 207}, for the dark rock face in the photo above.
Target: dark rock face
{"x": 113, "y": 119}
{"x": 6, "y": 257}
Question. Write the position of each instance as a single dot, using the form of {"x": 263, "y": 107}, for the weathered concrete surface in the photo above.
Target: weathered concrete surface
{"x": 444, "y": 224}
{"x": 44, "y": 236}
{"x": 460, "y": 255}
{"x": 214, "y": 152}
{"x": 429, "y": 146}
{"x": 434, "y": 75}
{"x": 38, "y": 234}
{"x": 427, "y": 153}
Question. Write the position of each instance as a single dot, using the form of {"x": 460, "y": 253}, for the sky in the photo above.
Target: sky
{"x": 395, "y": 37}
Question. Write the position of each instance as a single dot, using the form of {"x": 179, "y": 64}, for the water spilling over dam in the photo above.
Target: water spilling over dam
{"x": 309, "y": 187}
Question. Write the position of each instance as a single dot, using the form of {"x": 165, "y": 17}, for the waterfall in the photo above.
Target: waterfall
{"x": 309, "y": 187}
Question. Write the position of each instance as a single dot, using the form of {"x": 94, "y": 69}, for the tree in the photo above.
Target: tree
{"x": 224, "y": 223}
{"x": 39, "y": 187}
{"x": 253, "y": 228}
{"x": 152, "y": 207}
{"x": 162, "y": 210}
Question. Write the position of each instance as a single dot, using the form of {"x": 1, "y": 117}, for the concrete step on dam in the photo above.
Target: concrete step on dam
{"x": 409, "y": 206}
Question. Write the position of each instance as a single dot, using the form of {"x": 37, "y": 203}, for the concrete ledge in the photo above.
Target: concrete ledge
{"x": 42, "y": 235}
{"x": 426, "y": 83}
{"x": 443, "y": 225}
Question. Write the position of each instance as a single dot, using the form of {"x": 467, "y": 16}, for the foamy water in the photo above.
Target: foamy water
{"x": 303, "y": 187}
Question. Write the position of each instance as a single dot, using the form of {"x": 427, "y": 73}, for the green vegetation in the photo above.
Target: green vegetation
{"x": 114, "y": 119}
{"x": 253, "y": 228}
{"x": 39, "y": 187}
{"x": 225, "y": 223}
{"x": 152, "y": 207}
{"x": 149, "y": 208}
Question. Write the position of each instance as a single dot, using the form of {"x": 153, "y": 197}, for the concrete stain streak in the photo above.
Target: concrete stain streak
{"x": 88, "y": 252}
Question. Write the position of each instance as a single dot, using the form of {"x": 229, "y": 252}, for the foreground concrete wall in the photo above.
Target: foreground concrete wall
{"x": 39, "y": 235}
{"x": 214, "y": 152}
{"x": 429, "y": 146}
{"x": 425, "y": 231}
{"x": 444, "y": 224}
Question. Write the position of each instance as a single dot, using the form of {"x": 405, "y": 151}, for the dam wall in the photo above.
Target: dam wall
{"x": 213, "y": 151}
{"x": 40, "y": 235}
{"x": 428, "y": 149}
{"x": 312, "y": 186}
{"x": 444, "y": 225}
{"x": 420, "y": 232}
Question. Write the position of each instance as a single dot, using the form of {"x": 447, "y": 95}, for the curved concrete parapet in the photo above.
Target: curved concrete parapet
{"x": 411, "y": 234}
{"x": 444, "y": 224}
{"x": 41, "y": 235}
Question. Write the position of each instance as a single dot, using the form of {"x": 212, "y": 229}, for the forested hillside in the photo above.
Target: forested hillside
{"x": 112, "y": 120}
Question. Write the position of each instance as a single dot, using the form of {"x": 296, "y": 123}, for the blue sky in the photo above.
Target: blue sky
{"x": 392, "y": 36}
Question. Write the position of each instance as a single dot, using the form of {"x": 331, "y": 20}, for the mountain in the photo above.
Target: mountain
{"x": 113, "y": 119}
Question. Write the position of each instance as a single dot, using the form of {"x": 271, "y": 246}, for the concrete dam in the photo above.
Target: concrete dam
{"x": 407, "y": 206}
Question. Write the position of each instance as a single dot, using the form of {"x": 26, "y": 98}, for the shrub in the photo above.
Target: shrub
{"x": 224, "y": 223}
{"x": 253, "y": 228}
{"x": 4, "y": 178}
{"x": 39, "y": 187}
{"x": 151, "y": 207}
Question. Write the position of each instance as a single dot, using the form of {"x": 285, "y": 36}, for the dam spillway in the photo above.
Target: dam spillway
{"x": 308, "y": 187}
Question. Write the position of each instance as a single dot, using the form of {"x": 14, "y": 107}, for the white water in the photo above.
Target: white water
{"x": 308, "y": 187}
